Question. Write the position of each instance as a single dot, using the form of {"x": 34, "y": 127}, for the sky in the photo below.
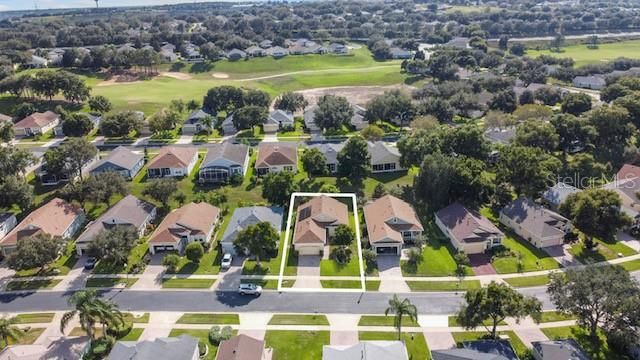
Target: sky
{"x": 6, "y": 5}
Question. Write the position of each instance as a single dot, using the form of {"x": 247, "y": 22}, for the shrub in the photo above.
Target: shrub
{"x": 341, "y": 254}
{"x": 343, "y": 235}
{"x": 414, "y": 256}
{"x": 194, "y": 252}
{"x": 170, "y": 262}
{"x": 119, "y": 330}
{"x": 218, "y": 335}
{"x": 369, "y": 256}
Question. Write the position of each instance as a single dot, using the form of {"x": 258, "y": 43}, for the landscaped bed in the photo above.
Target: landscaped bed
{"x": 209, "y": 318}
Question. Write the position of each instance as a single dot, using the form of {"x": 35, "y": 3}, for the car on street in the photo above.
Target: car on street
{"x": 226, "y": 261}
{"x": 90, "y": 263}
{"x": 250, "y": 289}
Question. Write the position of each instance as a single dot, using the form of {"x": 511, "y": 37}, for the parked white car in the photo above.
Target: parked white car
{"x": 250, "y": 289}
{"x": 226, "y": 261}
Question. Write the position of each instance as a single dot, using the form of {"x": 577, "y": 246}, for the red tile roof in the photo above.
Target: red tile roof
{"x": 275, "y": 155}
{"x": 37, "y": 120}
{"x": 379, "y": 216}
{"x": 173, "y": 157}
{"x": 193, "y": 218}
{"x": 316, "y": 215}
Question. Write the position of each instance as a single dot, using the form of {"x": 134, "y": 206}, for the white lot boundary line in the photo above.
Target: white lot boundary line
{"x": 285, "y": 250}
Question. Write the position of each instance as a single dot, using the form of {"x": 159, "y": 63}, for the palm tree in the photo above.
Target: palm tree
{"x": 86, "y": 306}
{"x": 400, "y": 309}
{"x": 8, "y": 330}
{"x": 108, "y": 314}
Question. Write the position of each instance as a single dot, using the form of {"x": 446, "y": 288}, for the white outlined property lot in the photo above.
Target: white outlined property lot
{"x": 287, "y": 237}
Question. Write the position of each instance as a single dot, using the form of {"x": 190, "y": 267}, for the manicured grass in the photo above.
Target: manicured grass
{"x": 553, "y": 316}
{"x": 528, "y": 281}
{"x": 32, "y": 285}
{"x": 136, "y": 256}
{"x": 61, "y": 266}
{"x": 602, "y": 252}
{"x": 202, "y": 336}
{"x": 137, "y": 318}
{"x": 453, "y": 322}
{"x": 208, "y": 265}
{"x": 269, "y": 284}
{"x": 209, "y": 318}
{"x": 605, "y": 52}
{"x": 34, "y": 318}
{"x": 443, "y": 285}
{"x": 415, "y": 342}
{"x": 133, "y": 335}
{"x": 28, "y": 338}
{"x": 597, "y": 349}
{"x": 331, "y": 267}
{"x": 284, "y": 319}
{"x": 187, "y": 283}
{"x": 370, "y": 285}
{"x": 295, "y": 345}
{"x": 270, "y": 266}
{"x": 381, "y": 320}
{"x": 110, "y": 282}
{"x": 633, "y": 265}
{"x": 437, "y": 260}
{"x": 515, "y": 341}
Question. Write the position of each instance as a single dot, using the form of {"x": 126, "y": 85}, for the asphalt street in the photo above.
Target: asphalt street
{"x": 285, "y": 302}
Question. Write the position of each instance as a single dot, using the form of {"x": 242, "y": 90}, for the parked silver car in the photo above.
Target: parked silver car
{"x": 249, "y": 289}
{"x": 226, "y": 261}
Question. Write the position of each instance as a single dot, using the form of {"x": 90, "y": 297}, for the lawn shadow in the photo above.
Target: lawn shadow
{"x": 202, "y": 67}
{"x": 413, "y": 79}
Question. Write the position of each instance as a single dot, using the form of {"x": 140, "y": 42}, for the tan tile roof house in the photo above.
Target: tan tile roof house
{"x": 391, "y": 222}
{"x": 173, "y": 161}
{"x": 37, "y": 123}
{"x": 243, "y": 347}
{"x": 276, "y": 157}
{"x": 130, "y": 211}
{"x": 56, "y": 218}
{"x": 467, "y": 229}
{"x": 192, "y": 222}
{"x": 317, "y": 218}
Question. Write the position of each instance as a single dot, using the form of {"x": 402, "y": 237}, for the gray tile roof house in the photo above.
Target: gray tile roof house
{"x": 558, "y": 350}
{"x": 336, "y": 48}
{"x": 183, "y": 347}
{"x": 130, "y": 211}
{"x": 458, "y": 42}
{"x": 195, "y": 122}
{"x": 366, "y": 350}
{"x": 384, "y": 157}
{"x": 255, "y": 51}
{"x": 534, "y": 223}
{"x": 309, "y": 119}
{"x": 464, "y": 354}
{"x": 265, "y": 44}
{"x": 245, "y": 216}
{"x": 357, "y": 120}
{"x": 594, "y": 82}
{"x": 627, "y": 188}
{"x": 278, "y": 119}
{"x": 224, "y": 160}
{"x": 555, "y": 195}
{"x": 500, "y": 136}
{"x": 277, "y": 52}
{"x": 397, "y": 53}
{"x": 121, "y": 160}
{"x": 228, "y": 128}
{"x": 467, "y": 229}
{"x": 236, "y": 54}
{"x": 330, "y": 151}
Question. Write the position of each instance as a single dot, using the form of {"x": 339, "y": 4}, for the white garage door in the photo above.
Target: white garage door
{"x": 309, "y": 250}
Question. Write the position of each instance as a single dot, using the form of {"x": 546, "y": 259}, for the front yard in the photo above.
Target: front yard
{"x": 415, "y": 342}
{"x": 603, "y": 251}
{"x": 517, "y": 344}
{"x": 296, "y": 345}
{"x": 178, "y": 283}
{"x": 597, "y": 350}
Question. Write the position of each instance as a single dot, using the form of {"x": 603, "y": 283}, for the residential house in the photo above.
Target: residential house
{"x": 479, "y": 350}
{"x": 374, "y": 350}
{"x": 6, "y": 118}
{"x": 36, "y": 123}
{"x": 397, "y": 53}
{"x": 55, "y": 218}
{"x": 391, "y": 222}
{"x": 244, "y": 217}
{"x": 468, "y": 230}
{"x": 500, "y": 135}
{"x": 458, "y": 42}
{"x": 278, "y": 119}
{"x": 330, "y": 152}
{"x": 277, "y": 52}
{"x": 385, "y": 157}
{"x": 224, "y": 161}
{"x": 197, "y": 122}
{"x": 340, "y": 49}
{"x": 628, "y": 171}
{"x": 594, "y": 82}
{"x": 228, "y": 127}
{"x": 316, "y": 222}
{"x": 557, "y": 194}
{"x": 243, "y": 347}
{"x": 276, "y": 157}
{"x": 95, "y": 122}
{"x": 48, "y": 178}
{"x": 255, "y": 51}
{"x": 36, "y": 62}
{"x": 265, "y": 44}
{"x": 173, "y": 161}
{"x": 192, "y": 54}
{"x": 567, "y": 349}
{"x": 627, "y": 189}
{"x": 309, "y": 117}
{"x": 357, "y": 120}
{"x": 236, "y": 54}
{"x": 537, "y": 225}
{"x": 7, "y": 222}
{"x": 168, "y": 56}
{"x": 193, "y": 222}
{"x": 183, "y": 347}
{"x": 61, "y": 348}
{"x": 121, "y": 160}
{"x": 128, "y": 212}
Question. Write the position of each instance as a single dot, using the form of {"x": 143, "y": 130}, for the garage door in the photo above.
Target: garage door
{"x": 390, "y": 250}
{"x": 307, "y": 250}
{"x": 158, "y": 248}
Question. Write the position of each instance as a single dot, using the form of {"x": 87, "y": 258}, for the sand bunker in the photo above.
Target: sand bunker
{"x": 176, "y": 75}
{"x": 219, "y": 75}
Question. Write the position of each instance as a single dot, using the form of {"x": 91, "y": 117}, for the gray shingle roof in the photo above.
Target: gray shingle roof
{"x": 367, "y": 350}
{"x": 245, "y": 216}
{"x": 559, "y": 350}
{"x": 500, "y": 136}
{"x": 280, "y": 117}
{"x": 330, "y": 151}
{"x": 558, "y": 193}
{"x": 536, "y": 219}
{"x": 174, "y": 348}
{"x": 463, "y": 354}
{"x": 379, "y": 150}
{"x": 121, "y": 157}
{"x": 196, "y": 116}
{"x": 235, "y": 153}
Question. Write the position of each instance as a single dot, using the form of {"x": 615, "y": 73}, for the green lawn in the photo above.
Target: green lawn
{"x": 370, "y": 285}
{"x": 208, "y": 265}
{"x": 32, "y": 285}
{"x": 110, "y": 282}
{"x": 381, "y": 320}
{"x": 295, "y": 345}
{"x": 453, "y": 322}
{"x": 293, "y": 319}
{"x": 602, "y": 252}
{"x": 34, "y": 318}
{"x": 633, "y": 265}
{"x": 331, "y": 267}
{"x": 187, "y": 283}
{"x": 517, "y": 344}
{"x": 443, "y": 285}
{"x": 605, "y": 52}
{"x": 553, "y": 316}
{"x": 135, "y": 258}
{"x": 597, "y": 350}
{"x": 415, "y": 342}
{"x": 28, "y": 338}
{"x": 62, "y": 266}
{"x": 437, "y": 260}
{"x": 528, "y": 281}
{"x": 202, "y": 336}
{"x": 133, "y": 335}
{"x": 269, "y": 284}
{"x": 209, "y": 318}
{"x": 270, "y": 266}
{"x": 137, "y": 318}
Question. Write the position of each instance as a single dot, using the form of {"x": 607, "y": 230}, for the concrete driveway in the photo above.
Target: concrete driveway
{"x": 151, "y": 278}
{"x": 308, "y": 265}
{"x": 481, "y": 264}
{"x": 561, "y": 254}
{"x": 229, "y": 280}
{"x": 391, "y": 274}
